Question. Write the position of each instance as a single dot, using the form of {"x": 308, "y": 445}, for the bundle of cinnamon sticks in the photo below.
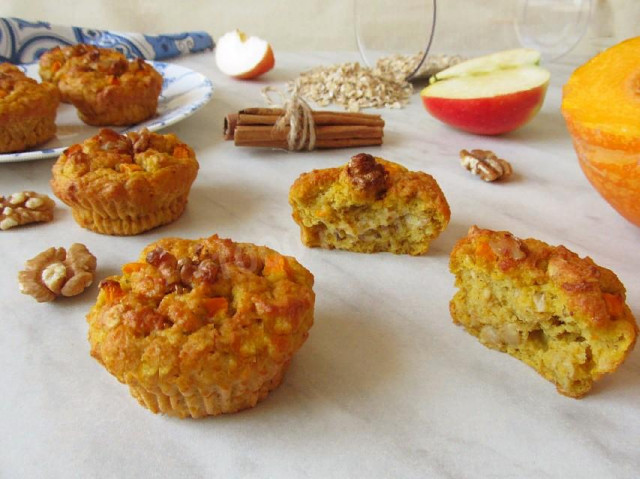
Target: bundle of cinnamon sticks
{"x": 256, "y": 127}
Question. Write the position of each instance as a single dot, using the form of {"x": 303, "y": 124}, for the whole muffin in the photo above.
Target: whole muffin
{"x": 202, "y": 327}
{"x": 369, "y": 205}
{"x": 563, "y": 315}
{"x": 27, "y": 110}
{"x": 125, "y": 184}
{"x": 105, "y": 87}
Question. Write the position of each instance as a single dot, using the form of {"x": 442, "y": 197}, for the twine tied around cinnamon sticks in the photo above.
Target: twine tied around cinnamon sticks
{"x": 298, "y": 115}
{"x": 297, "y": 127}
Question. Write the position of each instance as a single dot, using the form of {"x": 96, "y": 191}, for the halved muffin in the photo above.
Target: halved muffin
{"x": 563, "y": 315}
{"x": 369, "y": 205}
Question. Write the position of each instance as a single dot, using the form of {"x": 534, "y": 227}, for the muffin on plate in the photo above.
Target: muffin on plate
{"x": 563, "y": 315}
{"x": 54, "y": 63}
{"x": 125, "y": 184}
{"x": 369, "y": 205}
{"x": 105, "y": 87}
{"x": 27, "y": 110}
{"x": 202, "y": 327}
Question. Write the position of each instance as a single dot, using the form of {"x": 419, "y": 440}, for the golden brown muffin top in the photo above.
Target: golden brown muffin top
{"x": 369, "y": 180}
{"x": 17, "y": 91}
{"x": 57, "y": 61}
{"x": 123, "y": 156}
{"x": 593, "y": 291}
{"x": 210, "y": 297}
{"x": 95, "y": 68}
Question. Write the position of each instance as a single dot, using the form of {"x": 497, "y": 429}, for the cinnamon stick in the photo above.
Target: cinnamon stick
{"x": 255, "y": 127}
{"x": 320, "y": 144}
{"x": 230, "y": 123}
{"x": 269, "y": 116}
{"x": 336, "y": 132}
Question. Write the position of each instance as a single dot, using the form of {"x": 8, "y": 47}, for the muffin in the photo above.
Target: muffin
{"x": 202, "y": 327}
{"x": 27, "y": 110}
{"x": 563, "y": 315}
{"x": 125, "y": 184}
{"x": 105, "y": 87}
{"x": 369, "y": 205}
{"x": 54, "y": 63}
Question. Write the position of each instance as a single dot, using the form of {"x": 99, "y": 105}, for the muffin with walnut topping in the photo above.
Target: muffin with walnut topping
{"x": 125, "y": 184}
{"x": 105, "y": 87}
{"x": 54, "y": 63}
{"x": 202, "y": 327}
{"x": 369, "y": 205}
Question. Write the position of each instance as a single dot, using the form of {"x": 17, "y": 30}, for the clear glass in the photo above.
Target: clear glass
{"x": 553, "y": 27}
{"x": 386, "y": 27}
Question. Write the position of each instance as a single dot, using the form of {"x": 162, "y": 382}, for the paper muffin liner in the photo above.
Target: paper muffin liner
{"x": 117, "y": 219}
{"x": 211, "y": 402}
{"x": 118, "y": 114}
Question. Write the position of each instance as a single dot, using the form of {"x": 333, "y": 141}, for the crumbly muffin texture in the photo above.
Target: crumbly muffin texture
{"x": 563, "y": 315}
{"x": 27, "y": 110}
{"x": 202, "y": 327}
{"x": 105, "y": 87}
{"x": 369, "y": 205}
{"x": 55, "y": 63}
{"x": 125, "y": 184}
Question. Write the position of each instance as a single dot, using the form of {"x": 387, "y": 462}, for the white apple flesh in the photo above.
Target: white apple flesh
{"x": 503, "y": 60}
{"x": 241, "y": 56}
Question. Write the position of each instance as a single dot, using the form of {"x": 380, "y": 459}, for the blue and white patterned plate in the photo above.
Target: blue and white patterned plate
{"x": 184, "y": 92}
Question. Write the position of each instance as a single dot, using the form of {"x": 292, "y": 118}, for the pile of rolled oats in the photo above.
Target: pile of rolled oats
{"x": 354, "y": 86}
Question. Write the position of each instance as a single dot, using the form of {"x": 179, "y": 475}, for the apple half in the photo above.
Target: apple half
{"x": 489, "y": 95}
{"x": 241, "y": 56}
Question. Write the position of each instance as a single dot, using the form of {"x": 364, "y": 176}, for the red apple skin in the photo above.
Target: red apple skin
{"x": 488, "y": 116}
{"x": 266, "y": 64}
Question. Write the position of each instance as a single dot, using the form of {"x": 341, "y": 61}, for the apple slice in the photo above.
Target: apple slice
{"x": 488, "y": 103}
{"x": 243, "y": 57}
{"x": 486, "y": 64}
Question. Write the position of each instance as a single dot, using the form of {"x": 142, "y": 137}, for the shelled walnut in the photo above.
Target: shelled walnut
{"x": 367, "y": 175}
{"x": 56, "y": 272}
{"x": 485, "y": 164}
{"x": 23, "y": 208}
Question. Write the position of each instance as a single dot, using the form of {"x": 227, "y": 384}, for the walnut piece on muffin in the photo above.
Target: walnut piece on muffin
{"x": 27, "y": 110}
{"x": 125, "y": 184}
{"x": 369, "y": 205}
{"x": 563, "y": 315}
{"x": 105, "y": 87}
{"x": 202, "y": 327}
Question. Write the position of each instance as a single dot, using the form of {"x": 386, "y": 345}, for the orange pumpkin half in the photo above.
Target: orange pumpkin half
{"x": 601, "y": 105}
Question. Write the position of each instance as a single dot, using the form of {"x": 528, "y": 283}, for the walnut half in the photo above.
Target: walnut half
{"x": 56, "y": 272}
{"x": 23, "y": 208}
{"x": 367, "y": 175}
{"x": 485, "y": 164}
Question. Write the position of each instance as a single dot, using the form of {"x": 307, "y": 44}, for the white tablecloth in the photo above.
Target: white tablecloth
{"x": 386, "y": 385}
